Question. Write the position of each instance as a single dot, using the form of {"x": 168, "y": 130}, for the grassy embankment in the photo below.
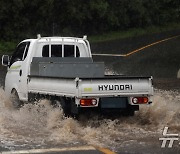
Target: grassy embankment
{"x": 115, "y": 35}
{"x": 8, "y": 46}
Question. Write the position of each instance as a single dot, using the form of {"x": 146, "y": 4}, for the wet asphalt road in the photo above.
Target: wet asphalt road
{"x": 166, "y": 80}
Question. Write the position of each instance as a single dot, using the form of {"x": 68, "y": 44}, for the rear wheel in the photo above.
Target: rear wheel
{"x": 69, "y": 107}
{"x": 16, "y": 103}
{"x": 66, "y": 106}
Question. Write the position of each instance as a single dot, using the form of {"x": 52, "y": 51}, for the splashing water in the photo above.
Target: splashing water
{"x": 41, "y": 125}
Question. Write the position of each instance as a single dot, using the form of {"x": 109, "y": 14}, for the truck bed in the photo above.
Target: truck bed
{"x": 107, "y": 86}
{"x": 81, "y": 77}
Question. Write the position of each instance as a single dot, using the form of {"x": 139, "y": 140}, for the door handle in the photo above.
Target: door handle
{"x": 20, "y": 72}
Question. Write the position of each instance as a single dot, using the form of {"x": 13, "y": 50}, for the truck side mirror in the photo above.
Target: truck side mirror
{"x": 5, "y": 60}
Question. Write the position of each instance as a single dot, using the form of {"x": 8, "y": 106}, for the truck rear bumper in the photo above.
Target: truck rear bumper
{"x": 110, "y": 105}
{"x": 112, "y": 112}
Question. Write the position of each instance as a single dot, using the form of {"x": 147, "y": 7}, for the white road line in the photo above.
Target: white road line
{"x": 111, "y": 55}
{"x": 84, "y": 148}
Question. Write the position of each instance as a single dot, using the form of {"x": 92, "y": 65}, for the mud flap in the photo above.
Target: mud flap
{"x": 74, "y": 108}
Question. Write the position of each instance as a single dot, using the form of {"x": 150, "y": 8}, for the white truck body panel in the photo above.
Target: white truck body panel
{"x": 118, "y": 87}
{"x": 58, "y": 87}
{"x": 90, "y": 87}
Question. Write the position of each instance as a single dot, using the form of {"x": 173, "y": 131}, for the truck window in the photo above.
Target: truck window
{"x": 56, "y": 51}
{"x": 20, "y": 53}
{"x": 26, "y": 50}
{"x": 69, "y": 51}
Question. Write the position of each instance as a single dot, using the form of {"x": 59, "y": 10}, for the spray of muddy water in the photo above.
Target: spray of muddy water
{"x": 41, "y": 125}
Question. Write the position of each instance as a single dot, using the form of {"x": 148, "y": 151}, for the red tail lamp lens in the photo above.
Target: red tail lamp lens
{"x": 88, "y": 102}
{"x": 140, "y": 100}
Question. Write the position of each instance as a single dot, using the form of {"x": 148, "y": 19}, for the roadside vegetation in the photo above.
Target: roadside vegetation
{"x": 100, "y": 19}
{"x": 9, "y": 46}
{"x": 133, "y": 32}
{"x": 24, "y": 19}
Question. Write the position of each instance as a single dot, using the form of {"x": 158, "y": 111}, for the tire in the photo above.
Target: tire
{"x": 69, "y": 107}
{"x": 16, "y": 103}
{"x": 66, "y": 106}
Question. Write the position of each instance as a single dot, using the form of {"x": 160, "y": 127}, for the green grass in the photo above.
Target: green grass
{"x": 7, "y": 47}
{"x": 133, "y": 32}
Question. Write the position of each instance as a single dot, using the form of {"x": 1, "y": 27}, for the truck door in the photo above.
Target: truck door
{"x": 16, "y": 76}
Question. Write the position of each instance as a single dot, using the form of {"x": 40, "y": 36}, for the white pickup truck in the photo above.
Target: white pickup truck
{"x": 62, "y": 68}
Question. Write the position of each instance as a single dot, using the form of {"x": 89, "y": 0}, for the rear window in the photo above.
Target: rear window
{"x": 56, "y": 51}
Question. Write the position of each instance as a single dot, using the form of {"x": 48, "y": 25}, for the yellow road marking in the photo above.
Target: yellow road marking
{"x": 134, "y": 51}
{"x": 105, "y": 150}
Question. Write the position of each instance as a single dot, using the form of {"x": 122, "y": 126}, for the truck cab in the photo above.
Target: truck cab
{"x": 19, "y": 63}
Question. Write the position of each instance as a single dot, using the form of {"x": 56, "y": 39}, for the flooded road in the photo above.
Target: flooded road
{"x": 42, "y": 126}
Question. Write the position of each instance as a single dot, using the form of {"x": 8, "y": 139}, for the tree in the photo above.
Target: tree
{"x": 23, "y": 18}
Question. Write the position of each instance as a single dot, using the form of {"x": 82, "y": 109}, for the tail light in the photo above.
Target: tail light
{"x": 140, "y": 100}
{"x": 88, "y": 102}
